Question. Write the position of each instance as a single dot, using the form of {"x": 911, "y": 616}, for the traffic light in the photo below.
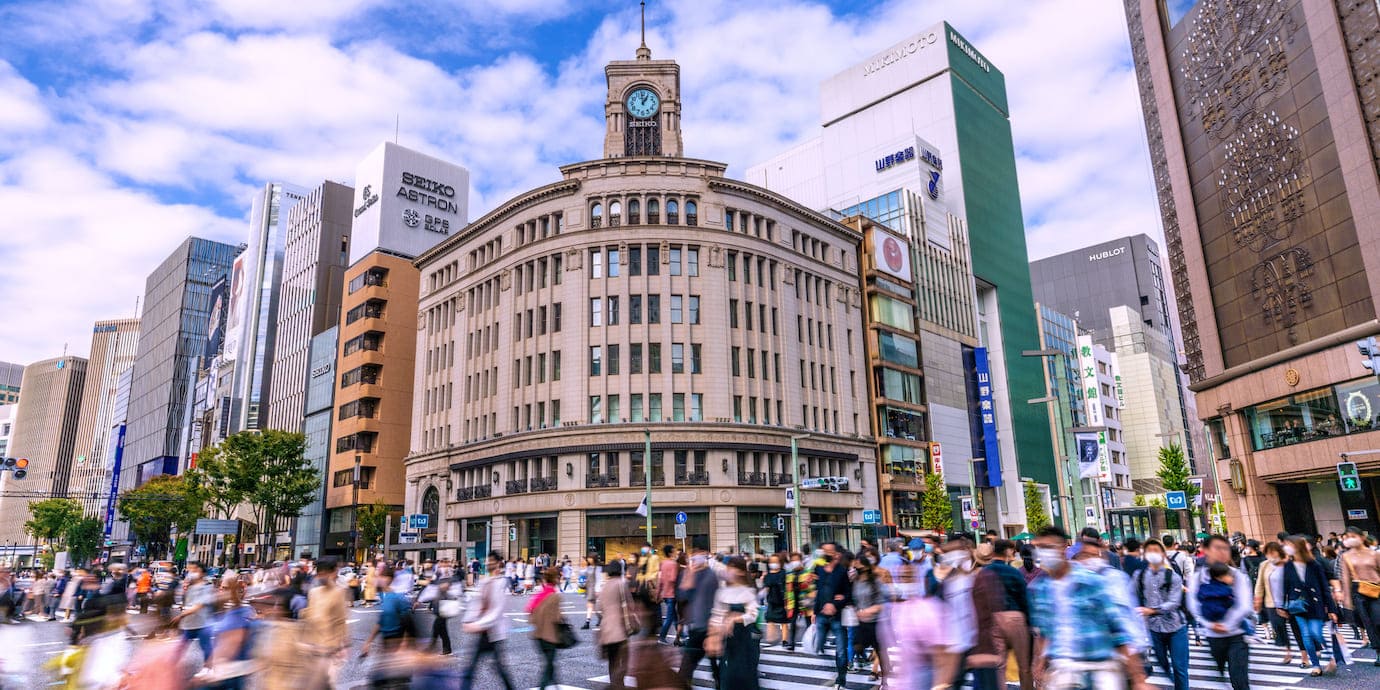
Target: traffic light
{"x": 19, "y": 466}
{"x": 1370, "y": 350}
{"x": 1347, "y": 475}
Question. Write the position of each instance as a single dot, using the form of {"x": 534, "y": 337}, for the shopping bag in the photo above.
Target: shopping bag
{"x": 807, "y": 640}
{"x": 1339, "y": 645}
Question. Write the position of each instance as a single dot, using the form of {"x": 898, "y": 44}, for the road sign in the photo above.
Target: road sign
{"x": 420, "y": 521}
{"x": 407, "y": 538}
{"x": 872, "y": 517}
{"x": 681, "y": 517}
{"x": 1175, "y": 500}
{"x": 1347, "y": 475}
{"x": 512, "y": 532}
{"x": 790, "y": 497}
{"x": 780, "y": 523}
{"x": 1356, "y": 514}
{"x": 680, "y": 529}
{"x": 207, "y": 526}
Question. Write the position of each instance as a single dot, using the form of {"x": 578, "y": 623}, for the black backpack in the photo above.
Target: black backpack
{"x": 1165, "y": 587}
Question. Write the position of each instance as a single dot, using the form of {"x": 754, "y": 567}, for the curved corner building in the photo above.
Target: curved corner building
{"x": 643, "y": 298}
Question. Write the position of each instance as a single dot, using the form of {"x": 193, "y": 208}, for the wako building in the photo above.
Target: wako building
{"x": 642, "y": 316}
{"x": 918, "y": 138}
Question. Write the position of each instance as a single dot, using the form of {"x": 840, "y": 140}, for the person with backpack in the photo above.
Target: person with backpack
{"x": 395, "y": 615}
{"x": 1159, "y": 597}
{"x": 1226, "y": 637}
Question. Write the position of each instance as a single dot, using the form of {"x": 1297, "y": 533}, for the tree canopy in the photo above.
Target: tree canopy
{"x": 936, "y": 511}
{"x": 51, "y": 517}
{"x": 161, "y": 503}
{"x": 265, "y": 470}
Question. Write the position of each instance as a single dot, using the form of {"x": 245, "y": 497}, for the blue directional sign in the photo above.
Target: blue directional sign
{"x": 872, "y": 517}
{"x": 681, "y": 517}
{"x": 1175, "y": 500}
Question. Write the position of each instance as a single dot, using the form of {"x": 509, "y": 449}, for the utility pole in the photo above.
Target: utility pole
{"x": 354, "y": 516}
{"x": 797, "y": 538}
{"x": 647, "y": 473}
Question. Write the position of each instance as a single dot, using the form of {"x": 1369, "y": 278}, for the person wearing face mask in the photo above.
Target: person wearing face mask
{"x": 1306, "y": 598}
{"x": 1360, "y": 585}
{"x": 775, "y": 593}
{"x": 198, "y": 603}
{"x": 697, "y": 591}
{"x": 871, "y": 597}
{"x": 1269, "y": 597}
{"x": 733, "y": 637}
{"x": 1003, "y": 611}
{"x": 1226, "y": 637}
{"x": 954, "y": 576}
{"x": 798, "y": 591}
{"x": 1159, "y": 597}
{"x": 833, "y": 592}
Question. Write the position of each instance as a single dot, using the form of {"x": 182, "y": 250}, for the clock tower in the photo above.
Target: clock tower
{"x": 642, "y": 109}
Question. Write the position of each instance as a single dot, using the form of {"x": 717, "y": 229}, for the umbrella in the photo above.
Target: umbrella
{"x": 1023, "y": 536}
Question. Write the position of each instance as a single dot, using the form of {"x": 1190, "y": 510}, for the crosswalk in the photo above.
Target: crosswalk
{"x": 785, "y": 670}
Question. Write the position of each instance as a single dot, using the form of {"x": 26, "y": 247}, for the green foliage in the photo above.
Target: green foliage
{"x": 1035, "y": 515}
{"x": 267, "y": 470}
{"x": 83, "y": 538}
{"x": 1174, "y": 472}
{"x": 50, "y": 518}
{"x": 936, "y": 511}
{"x": 152, "y": 509}
{"x": 373, "y": 519}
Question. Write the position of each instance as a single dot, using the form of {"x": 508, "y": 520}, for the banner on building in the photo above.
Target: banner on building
{"x": 1087, "y": 374}
{"x": 891, "y": 255}
{"x": 991, "y": 449}
{"x": 937, "y": 460}
{"x": 1089, "y": 453}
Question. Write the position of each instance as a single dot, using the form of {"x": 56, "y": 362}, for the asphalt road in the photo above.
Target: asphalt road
{"x": 25, "y": 647}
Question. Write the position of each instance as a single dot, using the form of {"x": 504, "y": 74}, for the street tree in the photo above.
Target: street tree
{"x": 1174, "y": 474}
{"x": 163, "y": 502}
{"x": 50, "y": 517}
{"x": 83, "y": 539}
{"x": 1036, "y": 517}
{"x": 936, "y": 511}
{"x": 372, "y": 521}
{"x": 225, "y": 473}
{"x": 266, "y": 471}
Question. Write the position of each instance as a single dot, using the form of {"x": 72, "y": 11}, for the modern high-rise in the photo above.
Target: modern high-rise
{"x": 313, "y": 275}
{"x": 317, "y": 424}
{"x": 10, "y": 377}
{"x": 1263, "y": 125}
{"x": 172, "y": 332}
{"x": 6, "y": 428}
{"x": 45, "y": 432}
{"x": 642, "y": 321}
{"x": 1115, "y": 290}
{"x": 407, "y": 201}
{"x": 114, "y": 345}
{"x": 918, "y": 137}
{"x": 255, "y": 282}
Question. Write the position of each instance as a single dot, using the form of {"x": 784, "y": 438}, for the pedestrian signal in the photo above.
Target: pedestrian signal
{"x": 1348, "y": 476}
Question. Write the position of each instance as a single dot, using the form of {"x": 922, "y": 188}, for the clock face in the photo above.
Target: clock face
{"x": 643, "y": 103}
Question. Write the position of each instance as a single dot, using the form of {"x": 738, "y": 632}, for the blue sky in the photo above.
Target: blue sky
{"x": 127, "y": 125}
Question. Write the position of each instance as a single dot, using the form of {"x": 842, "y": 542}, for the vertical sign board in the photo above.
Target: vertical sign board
{"x": 1092, "y": 402}
{"x": 991, "y": 448}
{"x": 937, "y": 460}
{"x": 114, "y": 480}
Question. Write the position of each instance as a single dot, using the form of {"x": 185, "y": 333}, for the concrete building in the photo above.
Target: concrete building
{"x": 6, "y": 428}
{"x": 378, "y": 331}
{"x": 45, "y": 432}
{"x": 644, "y": 319}
{"x": 918, "y": 137}
{"x": 1260, "y": 120}
{"x": 173, "y": 331}
{"x": 114, "y": 345}
{"x": 317, "y": 424}
{"x": 314, "y": 261}
{"x": 1115, "y": 290}
{"x": 10, "y": 377}
{"x": 1102, "y": 395}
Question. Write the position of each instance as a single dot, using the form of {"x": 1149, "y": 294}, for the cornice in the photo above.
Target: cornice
{"x": 564, "y": 187}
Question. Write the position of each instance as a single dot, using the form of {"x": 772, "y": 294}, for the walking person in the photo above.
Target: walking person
{"x": 733, "y": 636}
{"x": 590, "y": 575}
{"x": 489, "y": 623}
{"x": 833, "y": 592}
{"x": 871, "y": 594}
{"x": 1361, "y": 585}
{"x": 371, "y": 591}
{"x": 545, "y": 615}
{"x": 1159, "y": 597}
{"x": 668, "y": 577}
{"x": 440, "y": 590}
{"x": 1226, "y": 636}
{"x": 326, "y": 629}
{"x": 617, "y": 622}
{"x": 1002, "y": 604}
{"x": 954, "y": 580}
{"x": 1269, "y": 597}
{"x": 774, "y": 588}
{"x": 198, "y": 603}
{"x": 697, "y": 591}
{"x": 1307, "y": 599}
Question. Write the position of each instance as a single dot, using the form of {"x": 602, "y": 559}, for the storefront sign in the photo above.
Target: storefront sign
{"x": 1107, "y": 254}
{"x": 892, "y": 159}
{"x": 1357, "y": 514}
{"x": 424, "y": 191}
{"x": 890, "y": 254}
{"x": 937, "y": 460}
{"x": 991, "y": 449}
{"x": 1087, "y": 373}
{"x": 968, "y": 50}
{"x": 898, "y": 53}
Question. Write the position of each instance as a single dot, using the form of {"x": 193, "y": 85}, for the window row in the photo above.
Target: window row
{"x": 532, "y": 416}
{"x": 751, "y": 363}
{"x": 751, "y": 410}
{"x": 809, "y": 246}
{"x": 816, "y": 379}
{"x": 815, "y": 332}
{"x": 373, "y": 277}
{"x": 533, "y": 322}
{"x": 747, "y": 311}
{"x": 444, "y": 275}
{"x": 359, "y": 442}
{"x": 614, "y": 218}
{"x": 607, "y": 360}
{"x": 606, "y": 310}
{"x": 538, "y": 274}
{"x": 347, "y": 477}
{"x": 690, "y": 467}
{"x": 749, "y": 224}
{"x": 439, "y": 357}
{"x": 486, "y": 253}
{"x": 371, "y": 309}
{"x": 765, "y": 269}
{"x": 540, "y": 228}
{"x": 607, "y": 409}
{"x": 536, "y": 369}
{"x": 438, "y": 399}
{"x": 680, "y": 260}
{"x": 364, "y": 407}
{"x": 366, "y": 373}
{"x": 372, "y": 341}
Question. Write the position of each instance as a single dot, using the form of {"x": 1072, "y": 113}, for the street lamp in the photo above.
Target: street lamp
{"x": 1056, "y": 413}
{"x": 795, "y": 484}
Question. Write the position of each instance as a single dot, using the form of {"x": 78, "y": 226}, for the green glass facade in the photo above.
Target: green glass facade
{"x": 996, "y": 228}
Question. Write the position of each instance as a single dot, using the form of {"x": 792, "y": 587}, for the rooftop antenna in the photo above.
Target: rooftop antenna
{"x": 643, "y": 52}
{"x": 397, "y": 121}
{"x": 136, "y": 305}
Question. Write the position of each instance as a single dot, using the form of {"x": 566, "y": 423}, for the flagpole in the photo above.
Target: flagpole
{"x": 647, "y": 472}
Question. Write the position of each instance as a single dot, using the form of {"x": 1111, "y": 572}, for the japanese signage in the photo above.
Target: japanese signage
{"x": 937, "y": 460}
{"x": 992, "y": 450}
{"x": 892, "y": 159}
{"x": 1087, "y": 374}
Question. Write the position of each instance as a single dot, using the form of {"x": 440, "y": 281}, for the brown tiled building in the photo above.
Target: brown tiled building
{"x": 1264, "y": 125}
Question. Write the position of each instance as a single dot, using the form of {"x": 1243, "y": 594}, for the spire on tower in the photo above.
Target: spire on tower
{"x": 643, "y": 52}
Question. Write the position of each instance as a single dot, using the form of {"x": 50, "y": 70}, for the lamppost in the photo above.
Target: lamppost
{"x": 796, "y": 538}
{"x": 354, "y": 516}
{"x": 1056, "y": 409}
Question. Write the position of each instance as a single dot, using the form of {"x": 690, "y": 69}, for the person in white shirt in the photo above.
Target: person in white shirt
{"x": 403, "y": 580}
{"x": 489, "y": 623}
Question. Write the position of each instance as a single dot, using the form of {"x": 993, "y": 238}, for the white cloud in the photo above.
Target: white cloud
{"x": 21, "y": 109}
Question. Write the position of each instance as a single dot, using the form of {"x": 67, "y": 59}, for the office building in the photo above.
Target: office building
{"x": 10, "y": 377}
{"x": 6, "y": 428}
{"x": 173, "y": 329}
{"x": 1115, "y": 290}
{"x": 45, "y": 432}
{"x": 317, "y": 424}
{"x": 314, "y": 261}
{"x": 918, "y": 137}
{"x": 1262, "y": 130}
{"x": 114, "y": 345}
{"x": 407, "y": 202}
{"x": 642, "y": 320}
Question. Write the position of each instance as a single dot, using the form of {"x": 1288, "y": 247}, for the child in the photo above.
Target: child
{"x": 1215, "y": 597}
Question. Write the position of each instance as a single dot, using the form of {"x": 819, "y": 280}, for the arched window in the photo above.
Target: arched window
{"x": 653, "y": 212}
{"x": 672, "y": 212}
{"x": 431, "y": 507}
{"x": 615, "y": 213}
{"x": 692, "y": 216}
{"x": 634, "y": 212}
{"x": 596, "y": 215}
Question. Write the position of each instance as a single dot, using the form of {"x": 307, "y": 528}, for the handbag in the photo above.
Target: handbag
{"x": 449, "y": 608}
{"x": 565, "y": 635}
{"x": 1295, "y": 607}
{"x": 1369, "y": 590}
{"x": 631, "y": 625}
{"x": 850, "y": 616}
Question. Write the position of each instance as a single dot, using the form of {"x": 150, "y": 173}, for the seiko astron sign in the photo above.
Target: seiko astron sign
{"x": 408, "y": 201}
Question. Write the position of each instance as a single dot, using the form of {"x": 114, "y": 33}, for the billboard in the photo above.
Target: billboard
{"x": 215, "y": 329}
{"x": 891, "y": 255}
{"x": 407, "y": 201}
{"x": 235, "y": 309}
{"x": 992, "y": 450}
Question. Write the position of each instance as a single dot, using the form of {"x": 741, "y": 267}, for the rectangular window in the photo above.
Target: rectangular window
{"x": 733, "y": 313}
{"x": 635, "y": 358}
{"x": 556, "y": 365}
{"x": 654, "y": 407}
{"x": 732, "y": 266}
{"x": 677, "y": 407}
{"x": 635, "y": 260}
{"x": 596, "y": 410}
{"x": 692, "y": 261}
{"x": 541, "y": 368}
{"x": 596, "y": 311}
{"x": 677, "y": 358}
{"x": 751, "y": 363}
{"x": 556, "y": 318}
{"x": 694, "y": 310}
{"x": 555, "y": 413}
{"x": 747, "y": 316}
{"x": 733, "y": 360}
{"x": 541, "y": 320}
{"x": 695, "y": 358}
{"x": 654, "y": 358}
{"x": 738, "y": 408}
{"x": 763, "y": 355}
{"x": 752, "y": 410}
{"x": 613, "y": 310}
{"x": 596, "y": 263}
{"x": 596, "y": 360}
{"x": 677, "y": 315}
{"x": 696, "y": 407}
{"x": 612, "y": 410}
{"x": 675, "y": 261}
{"x": 612, "y": 361}
{"x": 613, "y": 262}
{"x": 653, "y": 260}
{"x": 637, "y": 407}
{"x": 653, "y": 308}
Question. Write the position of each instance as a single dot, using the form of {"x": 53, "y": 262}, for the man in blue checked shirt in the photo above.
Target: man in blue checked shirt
{"x": 1082, "y": 639}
